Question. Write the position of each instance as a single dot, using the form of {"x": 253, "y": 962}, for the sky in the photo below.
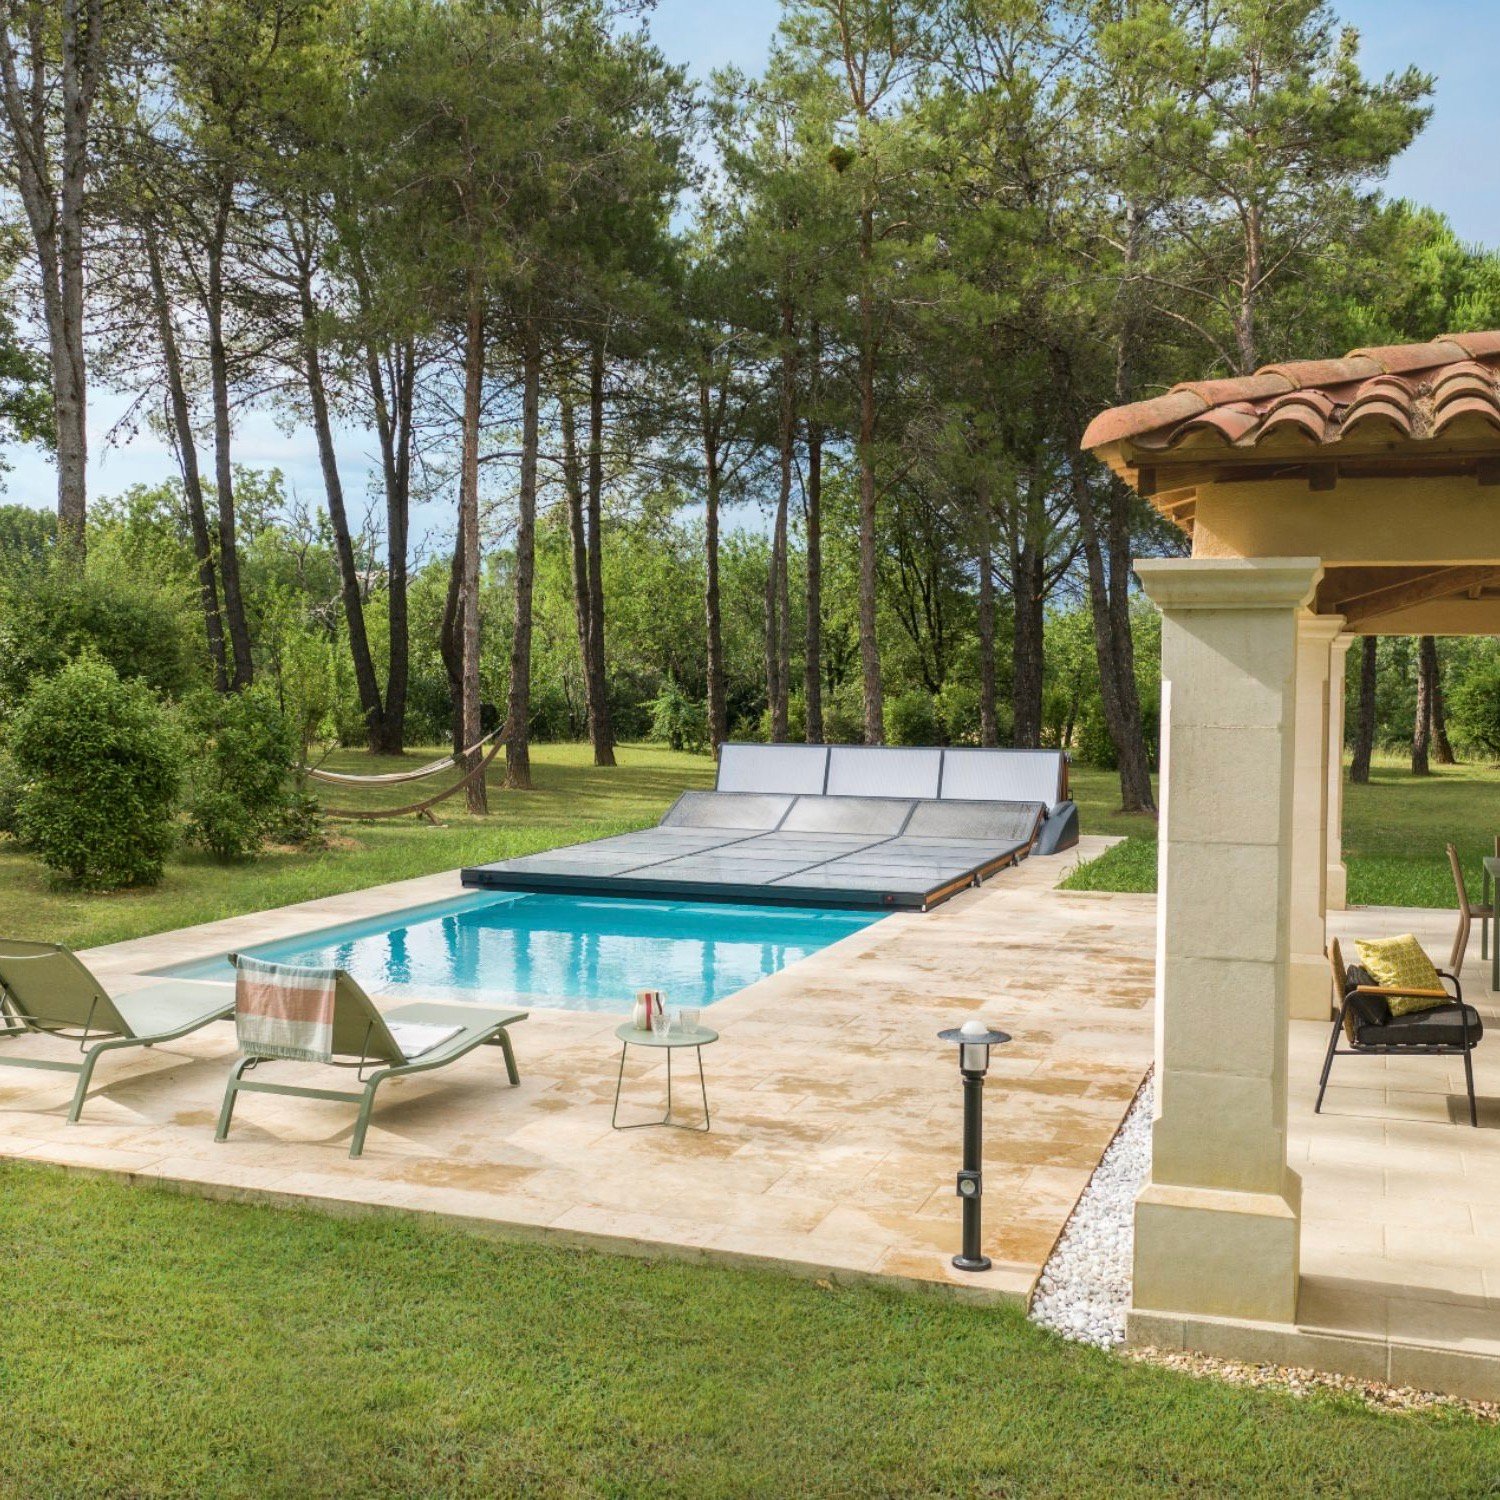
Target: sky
{"x": 1453, "y": 165}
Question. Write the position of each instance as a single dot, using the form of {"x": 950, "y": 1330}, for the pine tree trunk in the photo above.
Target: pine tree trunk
{"x": 450, "y": 642}
{"x": 1442, "y": 749}
{"x": 573, "y": 496}
{"x": 812, "y": 646}
{"x": 343, "y": 544}
{"x": 468, "y": 525}
{"x": 1422, "y": 727}
{"x": 786, "y": 458}
{"x": 55, "y": 213}
{"x": 518, "y": 711}
{"x": 1364, "y": 728}
{"x": 393, "y": 428}
{"x": 601, "y": 725}
{"x": 869, "y": 645}
{"x": 187, "y": 460}
{"x": 718, "y": 713}
{"x": 242, "y": 669}
{"x": 1026, "y": 650}
{"x": 989, "y": 728}
{"x": 1106, "y": 550}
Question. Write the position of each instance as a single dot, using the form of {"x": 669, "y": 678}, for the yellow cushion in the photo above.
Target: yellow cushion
{"x": 1400, "y": 963}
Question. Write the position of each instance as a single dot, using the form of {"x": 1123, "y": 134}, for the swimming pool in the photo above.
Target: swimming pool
{"x": 577, "y": 952}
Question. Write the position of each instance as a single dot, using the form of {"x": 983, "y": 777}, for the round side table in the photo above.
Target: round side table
{"x": 697, "y": 1037}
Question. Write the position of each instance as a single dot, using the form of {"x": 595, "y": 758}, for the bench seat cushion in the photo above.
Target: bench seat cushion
{"x": 1441, "y": 1026}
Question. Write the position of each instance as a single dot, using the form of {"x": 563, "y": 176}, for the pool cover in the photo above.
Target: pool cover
{"x": 824, "y": 850}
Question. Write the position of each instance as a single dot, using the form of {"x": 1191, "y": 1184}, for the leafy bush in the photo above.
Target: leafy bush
{"x": 100, "y": 763}
{"x": 1474, "y": 708}
{"x": 54, "y": 616}
{"x": 911, "y": 719}
{"x": 958, "y": 712}
{"x": 243, "y": 748}
{"x": 10, "y": 795}
{"x": 678, "y": 721}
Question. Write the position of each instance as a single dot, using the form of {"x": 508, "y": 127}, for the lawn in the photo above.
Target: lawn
{"x": 1394, "y": 832}
{"x": 573, "y": 801}
{"x": 156, "y": 1344}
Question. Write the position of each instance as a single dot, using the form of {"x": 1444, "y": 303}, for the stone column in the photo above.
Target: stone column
{"x": 1216, "y": 1226}
{"x": 1310, "y": 997}
{"x": 1336, "y": 892}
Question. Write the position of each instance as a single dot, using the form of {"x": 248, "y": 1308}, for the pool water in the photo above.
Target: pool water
{"x": 577, "y": 952}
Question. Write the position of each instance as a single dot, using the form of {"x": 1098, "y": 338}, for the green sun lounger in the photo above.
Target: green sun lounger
{"x": 362, "y": 1040}
{"x": 45, "y": 988}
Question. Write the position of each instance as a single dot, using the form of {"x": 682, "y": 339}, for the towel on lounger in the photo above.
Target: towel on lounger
{"x": 284, "y": 1010}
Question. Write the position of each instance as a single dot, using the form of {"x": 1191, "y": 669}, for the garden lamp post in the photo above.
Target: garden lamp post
{"x": 974, "y": 1041}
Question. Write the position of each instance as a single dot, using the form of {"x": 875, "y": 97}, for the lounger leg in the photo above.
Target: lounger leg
{"x": 232, "y": 1089}
{"x": 503, "y": 1040}
{"x": 362, "y": 1124}
{"x": 1333, "y": 1042}
{"x": 85, "y": 1073}
{"x": 1469, "y": 1079}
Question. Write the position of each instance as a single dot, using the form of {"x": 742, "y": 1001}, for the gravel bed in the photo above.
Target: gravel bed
{"x": 1085, "y": 1285}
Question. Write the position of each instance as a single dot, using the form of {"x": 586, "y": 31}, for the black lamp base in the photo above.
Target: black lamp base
{"x": 972, "y": 1262}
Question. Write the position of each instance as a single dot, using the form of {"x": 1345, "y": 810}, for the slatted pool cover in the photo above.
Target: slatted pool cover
{"x": 800, "y": 846}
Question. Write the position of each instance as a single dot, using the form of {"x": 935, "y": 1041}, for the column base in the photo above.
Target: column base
{"x": 1309, "y": 990}
{"x": 1338, "y": 888}
{"x": 1217, "y": 1253}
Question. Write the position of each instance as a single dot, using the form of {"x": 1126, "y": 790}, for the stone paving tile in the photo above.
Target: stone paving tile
{"x": 836, "y": 1112}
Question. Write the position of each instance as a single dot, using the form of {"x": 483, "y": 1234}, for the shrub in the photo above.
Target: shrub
{"x": 911, "y": 719}
{"x": 139, "y": 629}
{"x": 243, "y": 748}
{"x": 100, "y": 764}
{"x": 678, "y": 721}
{"x": 1474, "y": 708}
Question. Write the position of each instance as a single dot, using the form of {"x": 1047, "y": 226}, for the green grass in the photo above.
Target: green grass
{"x": 162, "y": 1345}
{"x": 1394, "y": 832}
{"x": 573, "y": 801}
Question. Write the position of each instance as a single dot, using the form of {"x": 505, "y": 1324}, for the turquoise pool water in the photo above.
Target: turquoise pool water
{"x": 578, "y": 952}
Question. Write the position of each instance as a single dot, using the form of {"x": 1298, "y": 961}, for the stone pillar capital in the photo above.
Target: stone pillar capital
{"x": 1229, "y": 583}
{"x": 1312, "y": 627}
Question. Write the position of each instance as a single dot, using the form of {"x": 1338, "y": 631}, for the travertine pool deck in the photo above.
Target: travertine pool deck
{"x": 836, "y": 1112}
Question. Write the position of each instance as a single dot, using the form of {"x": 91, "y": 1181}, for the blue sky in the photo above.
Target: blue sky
{"x": 1454, "y": 166}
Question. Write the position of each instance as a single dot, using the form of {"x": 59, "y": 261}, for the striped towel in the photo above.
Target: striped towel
{"x": 284, "y": 1010}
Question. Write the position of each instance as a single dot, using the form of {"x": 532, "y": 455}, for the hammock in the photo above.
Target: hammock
{"x": 419, "y": 809}
{"x": 396, "y": 778}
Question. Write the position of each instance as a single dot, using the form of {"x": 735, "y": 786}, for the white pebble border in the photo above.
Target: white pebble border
{"x": 1085, "y": 1285}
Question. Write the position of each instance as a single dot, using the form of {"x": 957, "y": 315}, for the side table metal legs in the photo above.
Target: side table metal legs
{"x": 666, "y": 1119}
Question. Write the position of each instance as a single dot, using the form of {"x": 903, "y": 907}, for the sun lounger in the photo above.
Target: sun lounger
{"x": 45, "y": 989}
{"x": 367, "y": 1038}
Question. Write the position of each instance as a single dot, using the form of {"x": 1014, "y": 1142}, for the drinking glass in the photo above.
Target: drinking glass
{"x": 661, "y": 1024}
{"x": 687, "y": 1017}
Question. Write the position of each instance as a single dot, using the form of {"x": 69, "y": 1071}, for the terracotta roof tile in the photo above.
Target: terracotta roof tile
{"x": 1306, "y": 372}
{"x": 1476, "y": 345}
{"x": 1415, "y": 390}
{"x": 1485, "y": 409}
{"x": 1230, "y": 422}
{"x": 1396, "y": 359}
